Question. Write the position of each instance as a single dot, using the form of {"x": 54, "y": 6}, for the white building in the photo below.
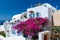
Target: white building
{"x": 9, "y": 31}
{"x": 19, "y": 17}
{"x": 44, "y": 10}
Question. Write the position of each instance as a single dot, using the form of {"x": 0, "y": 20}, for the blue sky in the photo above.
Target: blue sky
{"x": 8, "y": 8}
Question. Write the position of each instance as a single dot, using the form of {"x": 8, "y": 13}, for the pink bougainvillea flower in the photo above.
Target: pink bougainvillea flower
{"x": 31, "y": 26}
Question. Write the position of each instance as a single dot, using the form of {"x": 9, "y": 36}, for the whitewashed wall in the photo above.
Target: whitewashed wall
{"x": 43, "y": 11}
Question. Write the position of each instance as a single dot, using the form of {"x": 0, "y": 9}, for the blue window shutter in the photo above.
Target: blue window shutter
{"x": 38, "y": 14}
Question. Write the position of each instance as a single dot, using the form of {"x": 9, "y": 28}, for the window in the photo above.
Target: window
{"x": 25, "y": 16}
{"x": 32, "y": 15}
{"x": 13, "y": 31}
{"x": 38, "y": 14}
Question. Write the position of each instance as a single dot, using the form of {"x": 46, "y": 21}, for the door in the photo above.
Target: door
{"x": 45, "y": 37}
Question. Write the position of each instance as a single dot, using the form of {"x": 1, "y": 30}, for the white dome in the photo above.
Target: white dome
{"x": 47, "y": 4}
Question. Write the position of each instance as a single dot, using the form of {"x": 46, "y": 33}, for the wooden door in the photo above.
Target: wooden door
{"x": 45, "y": 37}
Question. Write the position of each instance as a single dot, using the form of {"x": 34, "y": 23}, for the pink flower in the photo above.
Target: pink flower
{"x": 31, "y": 26}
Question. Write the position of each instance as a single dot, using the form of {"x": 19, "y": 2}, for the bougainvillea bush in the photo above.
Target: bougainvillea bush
{"x": 31, "y": 26}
